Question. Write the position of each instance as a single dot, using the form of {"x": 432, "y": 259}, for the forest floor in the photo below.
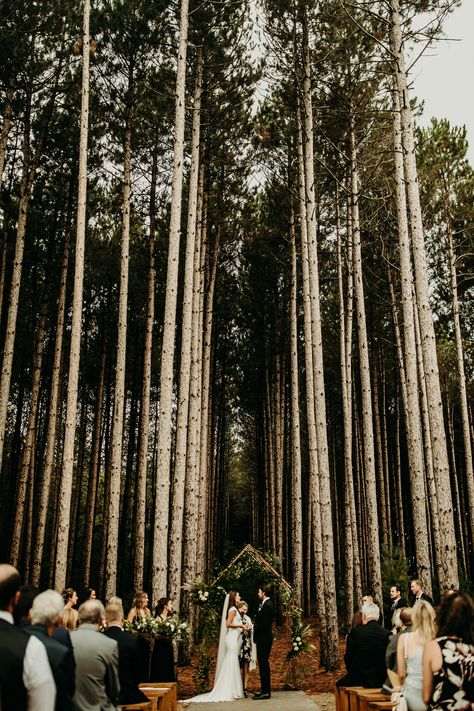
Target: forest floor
{"x": 311, "y": 679}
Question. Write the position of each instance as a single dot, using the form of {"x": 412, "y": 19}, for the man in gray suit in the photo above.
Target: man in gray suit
{"x": 97, "y": 681}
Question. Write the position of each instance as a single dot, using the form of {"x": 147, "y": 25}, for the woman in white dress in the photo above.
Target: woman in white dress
{"x": 228, "y": 680}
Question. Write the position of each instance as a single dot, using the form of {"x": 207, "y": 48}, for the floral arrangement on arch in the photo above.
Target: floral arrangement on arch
{"x": 173, "y": 628}
{"x": 300, "y": 634}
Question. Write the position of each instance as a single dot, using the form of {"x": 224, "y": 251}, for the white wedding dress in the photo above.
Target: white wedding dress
{"x": 228, "y": 682}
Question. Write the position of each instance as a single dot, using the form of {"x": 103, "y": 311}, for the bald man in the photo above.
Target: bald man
{"x": 26, "y": 681}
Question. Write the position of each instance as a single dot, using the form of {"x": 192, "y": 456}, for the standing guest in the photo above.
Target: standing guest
{"x": 162, "y": 667}
{"x": 139, "y": 609}
{"x": 448, "y": 660}
{"x": 263, "y": 638}
{"x": 26, "y": 681}
{"x": 396, "y": 600}
{"x": 88, "y": 594}
{"x": 365, "y": 651}
{"x": 247, "y": 653}
{"x": 45, "y": 613}
{"x": 70, "y": 598}
{"x": 410, "y": 653}
{"x": 418, "y": 592}
{"x": 97, "y": 681}
{"x": 130, "y": 674}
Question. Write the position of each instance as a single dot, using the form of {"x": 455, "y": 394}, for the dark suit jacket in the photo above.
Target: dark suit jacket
{"x": 398, "y": 604}
{"x": 130, "y": 674}
{"x": 262, "y": 629}
{"x": 365, "y": 655}
{"x": 425, "y": 596}
{"x": 61, "y": 661}
{"x": 62, "y": 636}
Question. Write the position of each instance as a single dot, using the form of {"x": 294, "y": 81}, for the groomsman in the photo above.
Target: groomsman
{"x": 263, "y": 638}
{"x": 419, "y": 593}
{"x": 396, "y": 599}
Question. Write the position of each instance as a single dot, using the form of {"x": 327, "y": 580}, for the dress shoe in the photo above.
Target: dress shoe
{"x": 261, "y": 697}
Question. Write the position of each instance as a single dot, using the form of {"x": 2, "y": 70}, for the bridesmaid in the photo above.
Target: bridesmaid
{"x": 139, "y": 609}
{"x": 162, "y": 658}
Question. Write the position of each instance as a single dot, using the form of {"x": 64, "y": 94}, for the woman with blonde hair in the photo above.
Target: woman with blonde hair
{"x": 139, "y": 609}
{"x": 410, "y": 654}
{"x": 69, "y": 619}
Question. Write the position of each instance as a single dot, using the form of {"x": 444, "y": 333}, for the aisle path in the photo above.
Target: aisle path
{"x": 280, "y": 701}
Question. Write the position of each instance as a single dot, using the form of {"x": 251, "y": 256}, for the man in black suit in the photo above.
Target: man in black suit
{"x": 263, "y": 638}
{"x": 417, "y": 590}
{"x": 45, "y": 614}
{"x": 365, "y": 651}
{"x": 129, "y": 670}
{"x": 26, "y": 681}
{"x": 397, "y": 602}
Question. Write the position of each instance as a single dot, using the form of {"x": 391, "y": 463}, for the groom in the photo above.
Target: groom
{"x": 263, "y": 638}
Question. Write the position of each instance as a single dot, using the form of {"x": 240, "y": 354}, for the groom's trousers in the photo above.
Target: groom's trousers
{"x": 263, "y": 653}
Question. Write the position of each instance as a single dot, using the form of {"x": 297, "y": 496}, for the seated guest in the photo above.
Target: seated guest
{"x": 97, "y": 682}
{"x": 448, "y": 660}
{"x": 410, "y": 653}
{"x": 401, "y": 621}
{"x": 365, "y": 651}
{"x": 45, "y": 613}
{"x": 139, "y": 609}
{"x": 128, "y": 655}
{"x": 26, "y": 681}
{"x": 69, "y": 619}
{"x": 162, "y": 658}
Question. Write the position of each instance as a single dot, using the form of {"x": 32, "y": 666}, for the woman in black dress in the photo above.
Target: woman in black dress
{"x": 162, "y": 658}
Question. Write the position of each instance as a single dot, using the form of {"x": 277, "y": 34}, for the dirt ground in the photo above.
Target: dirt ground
{"x": 311, "y": 679}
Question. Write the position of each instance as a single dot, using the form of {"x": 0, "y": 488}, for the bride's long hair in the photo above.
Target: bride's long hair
{"x": 232, "y": 601}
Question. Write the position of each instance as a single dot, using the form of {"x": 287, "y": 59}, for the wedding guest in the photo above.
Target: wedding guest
{"x": 162, "y": 666}
{"x": 401, "y": 623}
{"x": 365, "y": 651}
{"x": 88, "y": 594}
{"x": 139, "y": 607}
{"x": 26, "y": 681}
{"x": 23, "y": 607}
{"x": 410, "y": 653}
{"x": 247, "y": 652}
{"x": 128, "y": 655}
{"x": 448, "y": 660}
{"x": 70, "y": 598}
{"x": 69, "y": 619}
{"x": 97, "y": 681}
{"x": 46, "y": 610}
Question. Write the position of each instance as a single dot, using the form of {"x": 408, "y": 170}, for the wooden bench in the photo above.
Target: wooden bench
{"x": 165, "y": 694}
{"x": 367, "y": 696}
{"x": 342, "y": 697}
{"x": 143, "y": 706}
{"x": 355, "y": 696}
{"x": 380, "y": 705}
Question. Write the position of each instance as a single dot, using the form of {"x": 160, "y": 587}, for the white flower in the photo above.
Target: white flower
{"x": 298, "y": 639}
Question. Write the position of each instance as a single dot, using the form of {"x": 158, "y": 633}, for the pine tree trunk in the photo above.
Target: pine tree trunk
{"x": 140, "y": 517}
{"x": 163, "y": 474}
{"x": 28, "y": 455}
{"x": 448, "y": 557}
{"x": 52, "y": 423}
{"x": 6, "y": 125}
{"x": 373, "y": 548}
{"x": 466, "y": 429}
{"x": 412, "y": 405}
{"x": 94, "y": 469}
{"x": 296, "y": 477}
{"x": 182, "y": 433}
{"x": 75, "y": 347}
{"x": 120, "y": 368}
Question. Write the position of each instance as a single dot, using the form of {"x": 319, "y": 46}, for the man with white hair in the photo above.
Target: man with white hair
{"x": 365, "y": 651}
{"x": 45, "y": 613}
{"x": 97, "y": 680}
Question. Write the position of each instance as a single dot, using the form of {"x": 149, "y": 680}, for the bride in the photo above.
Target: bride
{"x": 228, "y": 679}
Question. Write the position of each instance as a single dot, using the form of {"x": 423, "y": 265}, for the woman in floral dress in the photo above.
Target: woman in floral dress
{"x": 448, "y": 661}
{"x": 247, "y": 652}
